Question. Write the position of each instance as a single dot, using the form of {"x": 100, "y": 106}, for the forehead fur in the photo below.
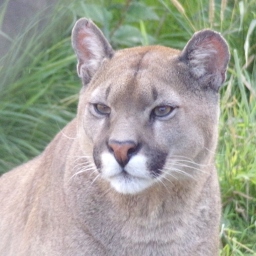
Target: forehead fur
{"x": 138, "y": 59}
{"x": 140, "y": 72}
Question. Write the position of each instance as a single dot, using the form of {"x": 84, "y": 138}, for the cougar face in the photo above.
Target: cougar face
{"x": 144, "y": 122}
{"x": 142, "y": 108}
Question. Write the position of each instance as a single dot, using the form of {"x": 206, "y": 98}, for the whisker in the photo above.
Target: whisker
{"x": 66, "y": 136}
{"x": 97, "y": 176}
{"x": 88, "y": 165}
{"x": 180, "y": 172}
{"x": 159, "y": 179}
{"x": 166, "y": 172}
{"x": 183, "y": 157}
{"x": 188, "y": 166}
{"x": 209, "y": 150}
{"x": 107, "y": 191}
{"x": 77, "y": 173}
{"x": 83, "y": 167}
{"x": 83, "y": 157}
{"x": 187, "y": 161}
{"x": 85, "y": 160}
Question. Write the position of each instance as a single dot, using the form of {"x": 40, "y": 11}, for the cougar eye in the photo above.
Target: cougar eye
{"x": 101, "y": 109}
{"x": 162, "y": 111}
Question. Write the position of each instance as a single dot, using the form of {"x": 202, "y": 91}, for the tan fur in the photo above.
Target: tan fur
{"x": 67, "y": 202}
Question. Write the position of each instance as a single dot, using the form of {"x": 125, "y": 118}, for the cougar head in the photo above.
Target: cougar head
{"x": 148, "y": 115}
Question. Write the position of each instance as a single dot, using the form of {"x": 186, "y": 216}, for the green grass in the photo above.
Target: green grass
{"x": 39, "y": 87}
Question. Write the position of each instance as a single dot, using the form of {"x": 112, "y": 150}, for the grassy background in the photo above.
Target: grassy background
{"x": 39, "y": 87}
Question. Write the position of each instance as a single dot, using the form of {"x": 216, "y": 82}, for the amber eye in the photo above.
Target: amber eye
{"x": 102, "y": 109}
{"x": 162, "y": 111}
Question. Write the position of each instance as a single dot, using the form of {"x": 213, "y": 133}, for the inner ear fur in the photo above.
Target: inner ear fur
{"x": 207, "y": 56}
{"x": 91, "y": 48}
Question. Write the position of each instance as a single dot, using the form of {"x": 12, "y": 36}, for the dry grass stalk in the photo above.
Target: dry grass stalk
{"x": 211, "y": 11}
{"x": 223, "y": 8}
{"x": 178, "y": 5}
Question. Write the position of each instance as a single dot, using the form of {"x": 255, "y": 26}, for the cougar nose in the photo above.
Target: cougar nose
{"x": 123, "y": 150}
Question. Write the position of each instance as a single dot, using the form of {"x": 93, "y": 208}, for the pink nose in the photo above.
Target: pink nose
{"x": 122, "y": 150}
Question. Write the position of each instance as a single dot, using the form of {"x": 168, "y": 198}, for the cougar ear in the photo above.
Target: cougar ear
{"x": 207, "y": 57}
{"x": 91, "y": 48}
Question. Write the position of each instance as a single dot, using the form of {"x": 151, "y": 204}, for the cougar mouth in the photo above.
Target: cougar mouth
{"x": 131, "y": 179}
{"x": 123, "y": 174}
{"x": 128, "y": 177}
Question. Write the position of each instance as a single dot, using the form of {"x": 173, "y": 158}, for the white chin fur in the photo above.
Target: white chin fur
{"x": 129, "y": 185}
{"x": 136, "y": 179}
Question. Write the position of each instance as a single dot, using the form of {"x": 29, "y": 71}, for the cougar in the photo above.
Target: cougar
{"x": 133, "y": 173}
